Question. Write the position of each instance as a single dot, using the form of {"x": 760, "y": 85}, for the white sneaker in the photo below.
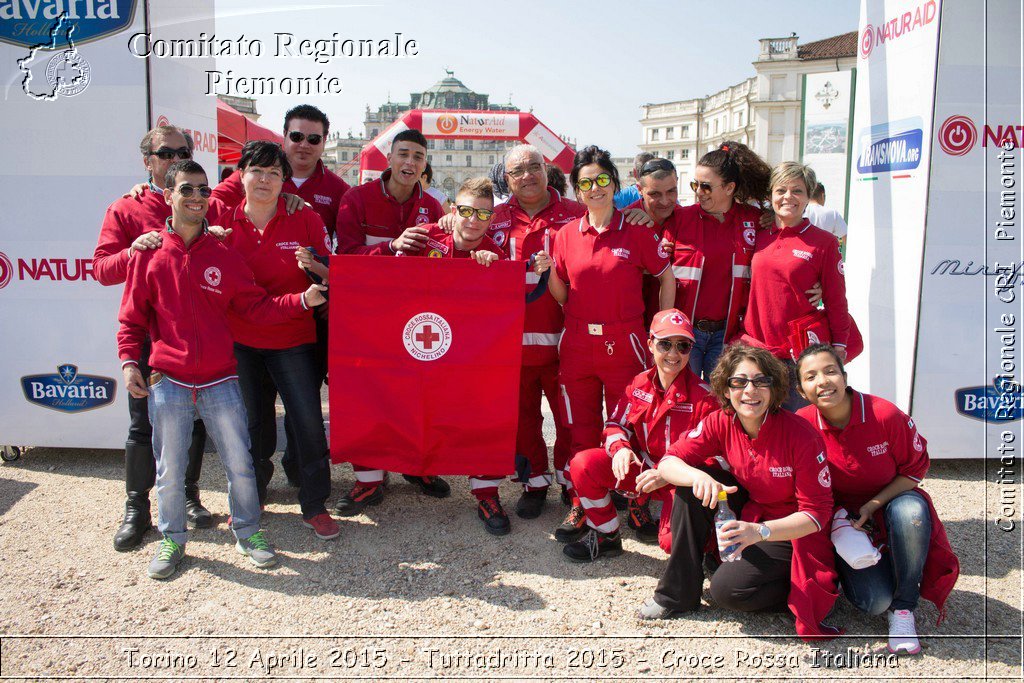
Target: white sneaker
{"x": 903, "y": 633}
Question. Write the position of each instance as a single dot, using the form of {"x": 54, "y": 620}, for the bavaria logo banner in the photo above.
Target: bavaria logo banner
{"x": 991, "y": 404}
{"x": 28, "y": 22}
{"x": 69, "y": 391}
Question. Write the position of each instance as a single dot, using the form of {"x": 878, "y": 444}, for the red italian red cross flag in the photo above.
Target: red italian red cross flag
{"x": 423, "y": 361}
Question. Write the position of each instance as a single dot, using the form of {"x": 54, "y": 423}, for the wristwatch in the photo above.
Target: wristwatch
{"x": 764, "y": 531}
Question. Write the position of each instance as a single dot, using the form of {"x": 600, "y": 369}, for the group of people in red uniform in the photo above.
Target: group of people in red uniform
{"x": 681, "y": 325}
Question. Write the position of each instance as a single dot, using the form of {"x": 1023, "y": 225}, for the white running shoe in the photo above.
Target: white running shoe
{"x": 903, "y": 632}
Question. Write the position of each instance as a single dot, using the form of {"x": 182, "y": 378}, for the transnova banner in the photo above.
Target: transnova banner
{"x": 897, "y": 48}
{"x": 77, "y": 99}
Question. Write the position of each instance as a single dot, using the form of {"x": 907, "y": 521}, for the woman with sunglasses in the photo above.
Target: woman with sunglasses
{"x": 877, "y": 460}
{"x": 712, "y": 243}
{"x": 658, "y": 407}
{"x": 773, "y": 465}
{"x": 280, "y": 358}
{"x": 789, "y": 257}
{"x": 597, "y": 269}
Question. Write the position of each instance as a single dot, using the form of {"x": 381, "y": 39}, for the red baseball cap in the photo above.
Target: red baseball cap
{"x": 671, "y": 323}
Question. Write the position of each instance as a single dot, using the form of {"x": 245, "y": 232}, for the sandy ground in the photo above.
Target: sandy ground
{"x": 416, "y": 589}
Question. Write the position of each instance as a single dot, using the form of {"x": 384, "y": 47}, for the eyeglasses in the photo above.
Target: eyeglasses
{"x": 655, "y": 165}
{"x": 468, "y": 211}
{"x": 186, "y": 190}
{"x": 761, "y": 382}
{"x": 166, "y": 153}
{"x": 261, "y": 174}
{"x": 682, "y": 346}
{"x": 312, "y": 138}
{"x": 520, "y": 171}
{"x": 602, "y": 180}
{"x": 703, "y": 187}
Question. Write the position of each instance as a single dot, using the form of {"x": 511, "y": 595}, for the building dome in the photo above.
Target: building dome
{"x": 449, "y": 84}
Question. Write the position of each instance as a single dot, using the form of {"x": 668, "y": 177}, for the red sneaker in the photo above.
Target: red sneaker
{"x": 323, "y": 526}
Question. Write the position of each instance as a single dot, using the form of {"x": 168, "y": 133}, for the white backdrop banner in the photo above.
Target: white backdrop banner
{"x": 828, "y": 106}
{"x": 75, "y": 105}
{"x": 898, "y": 43}
{"x": 967, "y": 375}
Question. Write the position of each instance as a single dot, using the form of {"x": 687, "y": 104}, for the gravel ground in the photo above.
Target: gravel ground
{"x": 416, "y": 589}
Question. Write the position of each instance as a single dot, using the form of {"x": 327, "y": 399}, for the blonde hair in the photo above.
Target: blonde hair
{"x": 790, "y": 170}
{"x": 478, "y": 188}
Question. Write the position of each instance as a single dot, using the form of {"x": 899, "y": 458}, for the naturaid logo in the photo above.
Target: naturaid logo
{"x": 867, "y": 41}
{"x": 896, "y": 27}
{"x": 447, "y": 124}
{"x": 427, "y": 336}
{"x": 957, "y": 135}
{"x": 6, "y": 270}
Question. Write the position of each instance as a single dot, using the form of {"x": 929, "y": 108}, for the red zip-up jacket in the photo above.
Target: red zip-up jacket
{"x": 125, "y": 220}
{"x": 786, "y": 264}
{"x": 180, "y": 296}
{"x": 369, "y": 218}
{"x": 521, "y": 236}
{"x": 881, "y": 442}
{"x": 323, "y": 191}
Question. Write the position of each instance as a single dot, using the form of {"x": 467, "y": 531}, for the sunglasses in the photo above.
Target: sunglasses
{"x": 682, "y": 346}
{"x": 602, "y": 180}
{"x": 520, "y": 171}
{"x": 186, "y": 190}
{"x": 312, "y": 138}
{"x": 703, "y": 187}
{"x": 655, "y": 165}
{"x": 166, "y": 153}
{"x": 761, "y": 382}
{"x": 468, "y": 211}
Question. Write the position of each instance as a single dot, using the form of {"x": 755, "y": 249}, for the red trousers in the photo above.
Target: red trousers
{"x": 594, "y": 480}
{"x": 595, "y": 367}
{"x": 535, "y": 383}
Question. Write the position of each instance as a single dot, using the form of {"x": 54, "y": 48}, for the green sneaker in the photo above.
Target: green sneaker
{"x": 258, "y": 549}
{"x": 168, "y": 557}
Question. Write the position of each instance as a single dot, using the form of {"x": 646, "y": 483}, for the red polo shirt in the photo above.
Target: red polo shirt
{"x": 369, "y": 218}
{"x": 441, "y": 244}
{"x": 604, "y": 271}
{"x": 522, "y": 236}
{"x": 323, "y": 191}
{"x": 783, "y": 469}
{"x": 880, "y": 442}
{"x": 786, "y": 264}
{"x": 271, "y": 257}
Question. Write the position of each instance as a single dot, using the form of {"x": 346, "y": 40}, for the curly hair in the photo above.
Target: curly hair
{"x": 764, "y": 360}
{"x": 734, "y": 162}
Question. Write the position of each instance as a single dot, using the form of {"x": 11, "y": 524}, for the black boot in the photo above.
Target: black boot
{"x": 195, "y": 514}
{"x": 139, "y": 476}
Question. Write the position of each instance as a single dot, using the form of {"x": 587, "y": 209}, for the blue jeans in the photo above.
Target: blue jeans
{"x": 294, "y": 373}
{"x": 172, "y": 412}
{"x": 895, "y": 582}
{"x": 707, "y": 347}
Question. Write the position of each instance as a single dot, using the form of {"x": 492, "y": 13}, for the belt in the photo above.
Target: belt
{"x": 601, "y": 329}
{"x": 709, "y": 325}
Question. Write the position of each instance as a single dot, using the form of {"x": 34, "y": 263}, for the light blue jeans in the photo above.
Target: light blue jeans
{"x": 707, "y": 347}
{"x": 172, "y": 412}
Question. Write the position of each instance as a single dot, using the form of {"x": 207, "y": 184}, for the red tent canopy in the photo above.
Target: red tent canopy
{"x": 234, "y": 130}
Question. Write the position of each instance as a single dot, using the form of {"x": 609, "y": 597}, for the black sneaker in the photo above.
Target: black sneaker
{"x": 619, "y": 501}
{"x": 639, "y": 520}
{"x": 573, "y": 526}
{"x": 593, "y": 545}
{"x": 531, "y": 503}
{"x": 494, "y": 518}
{"x": 356, "y": 500}
{"x": 435, "y": 487}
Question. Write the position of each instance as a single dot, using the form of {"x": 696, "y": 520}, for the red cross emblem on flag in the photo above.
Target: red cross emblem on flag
{"x": 427, "y": 336}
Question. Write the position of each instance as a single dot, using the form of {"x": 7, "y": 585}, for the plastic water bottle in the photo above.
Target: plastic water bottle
{"x": 723, "y": 514}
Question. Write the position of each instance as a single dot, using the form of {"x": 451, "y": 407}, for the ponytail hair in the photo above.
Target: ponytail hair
{"x": 734, "y": 162}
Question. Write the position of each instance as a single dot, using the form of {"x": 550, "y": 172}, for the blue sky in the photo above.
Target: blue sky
{"x": 584, "y": 67}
